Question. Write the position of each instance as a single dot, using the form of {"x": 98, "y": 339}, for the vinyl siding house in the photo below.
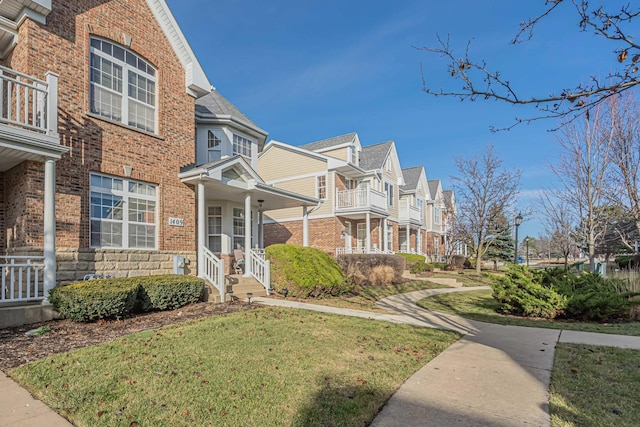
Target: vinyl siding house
{"x": 102, "y": 170}
{"x": 414, "y": 199}
{"x": 358, "y": 188}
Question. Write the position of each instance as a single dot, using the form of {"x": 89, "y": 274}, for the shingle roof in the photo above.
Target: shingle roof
{"x": 433, "y": 187}
{"x": 329, "y": 142}
{"x": 448, "y": 196}
{"x": 214, "y": 104}
{"x": 373, "y": 156}
{"x": 411, "y": 177}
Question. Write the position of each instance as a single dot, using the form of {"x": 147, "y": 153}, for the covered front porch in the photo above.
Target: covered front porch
{"x": 231, "y": 198}
{"x": 366, "y": 233}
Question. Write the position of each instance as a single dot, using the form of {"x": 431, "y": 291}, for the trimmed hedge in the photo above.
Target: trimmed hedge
{"x": 365, "y": 263}
{"x": 168, "y": 292}
{"x": 305, "y": 271}
{"x": 412, "y": 259}
{"x": 95, "y": 299}
{"x": 116, "y": 298}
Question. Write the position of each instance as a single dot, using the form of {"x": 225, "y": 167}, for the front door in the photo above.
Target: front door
{"x": 402, "y": 237}
{"x": 347, "y": 236}
{"x": 362, "y": 235}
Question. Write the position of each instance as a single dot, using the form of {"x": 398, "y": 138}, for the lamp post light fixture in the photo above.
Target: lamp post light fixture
{"x": 249, "y": 296}
{"x": 518, "y": 222}
{"x": 526, "y": 241}
{"x": 285, "y": 292}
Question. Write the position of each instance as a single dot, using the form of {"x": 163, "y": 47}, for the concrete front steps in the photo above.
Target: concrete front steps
{"x": 446, "y": 281}
{"x": 240, "y": 285}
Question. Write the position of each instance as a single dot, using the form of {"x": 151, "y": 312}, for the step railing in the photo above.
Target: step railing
{"x": 214, "y": 271}
{"x": 21, "y": 278}
{"x": 260, "y": 268}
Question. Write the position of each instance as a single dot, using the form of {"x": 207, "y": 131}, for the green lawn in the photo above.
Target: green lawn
{"x": 365, "y": 297}
{"x": 267, "y": 367}
{"x": 469, "y": 278}
{"x": 479, "y": 305}
{"x": 595, "y": 386}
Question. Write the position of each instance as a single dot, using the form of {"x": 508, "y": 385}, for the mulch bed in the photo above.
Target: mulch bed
{"x": 16, "y": 348}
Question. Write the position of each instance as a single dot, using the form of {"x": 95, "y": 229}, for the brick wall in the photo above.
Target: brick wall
{"x": 3, "y": 232}
{"x": 324, "y": 233}
{"x": 97, "y": 145}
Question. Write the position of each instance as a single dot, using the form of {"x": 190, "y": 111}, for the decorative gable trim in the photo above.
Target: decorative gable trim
{"x": 196, "y": 80}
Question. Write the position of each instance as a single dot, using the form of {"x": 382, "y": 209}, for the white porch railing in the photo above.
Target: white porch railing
{"x": 365, "y": 198}
{"x": 27, "y": 102}
{"x": 409, "y": 213}
{"x": 214, "y": 271}
{"x": 260, "y": 268}
{"x": 21, "y": 278}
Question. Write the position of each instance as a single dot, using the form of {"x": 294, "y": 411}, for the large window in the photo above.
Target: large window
{"x": 214, "y": 228}
{"x": 123, "y": 213}
{"x": 388, "y": 188}
{"x": 437, "y": 215}
{"x": 321, "y": 187}
{"x": 123, "y": 86}
{"x": 238, "y": 228}
{"x": 214, "y": 145}
{"x": 241, "y": 145}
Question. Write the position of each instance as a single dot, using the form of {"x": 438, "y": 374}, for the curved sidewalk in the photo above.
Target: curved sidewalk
{"x": 494, "y": 375}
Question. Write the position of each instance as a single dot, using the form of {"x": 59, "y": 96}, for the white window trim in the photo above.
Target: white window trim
{"x": 124, "y": 120}
{"x": 209, "y": 233}
{"x": 218, "y": 133}
{"x": 233, "y": 228}
{"x": 126, "y": 195}
{"x": 388, "y": 185}
{"x": 326, "y": 187}
{"x": 242, "y": 140}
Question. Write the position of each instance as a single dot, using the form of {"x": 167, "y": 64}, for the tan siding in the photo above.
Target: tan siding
{"x": 340, "y": 153}
{"x": 278, "y": 163}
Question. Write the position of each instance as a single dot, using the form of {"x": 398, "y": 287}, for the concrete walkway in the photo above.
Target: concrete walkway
{"x": 494, "y": 375}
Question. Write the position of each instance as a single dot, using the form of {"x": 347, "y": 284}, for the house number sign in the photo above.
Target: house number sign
{"x": 178, "y": 222}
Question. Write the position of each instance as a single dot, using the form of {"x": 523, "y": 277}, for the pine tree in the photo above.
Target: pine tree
{"x": 502, "y": 246}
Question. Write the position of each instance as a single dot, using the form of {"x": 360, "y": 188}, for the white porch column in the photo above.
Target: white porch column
{"x": 368, "y": 233}
{"x": 261, "y": 229}
{"x": 385, "y": 236}
{"x": 49, "y": 227}
{"x": 305, "y": 226}
{"x": 408, "y": 238}
{"x": 247, "y": 234}
{"x": 202, "y": 224}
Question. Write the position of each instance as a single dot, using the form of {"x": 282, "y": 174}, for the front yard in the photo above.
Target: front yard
{"x": 266, "y": 367}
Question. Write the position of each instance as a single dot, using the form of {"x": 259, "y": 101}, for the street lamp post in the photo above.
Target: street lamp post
{"x": 526, "y": 241}
{"x": 518, "y": 222}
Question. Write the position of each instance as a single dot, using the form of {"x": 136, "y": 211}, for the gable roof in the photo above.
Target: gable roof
{"x": 196, "y": 80}
{"x": 434, "y": 185}
{"x": 373, "y": 156}
{"x": 411, "y": 177}
{"x": 330, "y": 142}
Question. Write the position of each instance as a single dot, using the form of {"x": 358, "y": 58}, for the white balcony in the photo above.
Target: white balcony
{"x": 28, "y": 118}
{"x": 409, "y": 214}
{"x": 360, "y": 199}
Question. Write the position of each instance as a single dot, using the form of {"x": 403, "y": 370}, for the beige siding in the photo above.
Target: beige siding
{"x": 340, "y": 153}
{"x": 278, "y": 163}
{"x": 306, "y": 186}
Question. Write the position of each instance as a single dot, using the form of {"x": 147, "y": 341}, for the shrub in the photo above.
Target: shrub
{"x": 304, "y": 271}
{"x": 519, "y": 294}
{"x": 168, "y": 292}
{"x": 458, "y": 262}
{"x": 381, "y": 275}
{"x": 421, "y": 268}
{"x": 412, "y": 259}
{"x": 440, "y": 265}
{"x": 95, "y": 299}
{"x": 366, "y": 262}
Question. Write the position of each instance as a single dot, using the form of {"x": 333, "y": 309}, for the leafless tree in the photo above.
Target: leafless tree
{"x": 624, "y": 183}
{"x": 582, "y": 168}
{"x": 559, "y": 224}
{"x": 482, "y": 187}
{"x": 610, "y": 21}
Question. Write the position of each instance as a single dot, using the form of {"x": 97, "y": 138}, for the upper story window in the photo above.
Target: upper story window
{"x": 321, "y": 187}
{"x": 241, "y": 145}
{"x": 214, "y": 145}
{"x": 123, "y": 213}
{"x": 420, "y": 204}
{"x": 354, "y": 155}
{"x": 123, "y": 86}
{"x": 388, "y": 188}
{"x": 437, "y": 215}
{"x": 387, "y": 165}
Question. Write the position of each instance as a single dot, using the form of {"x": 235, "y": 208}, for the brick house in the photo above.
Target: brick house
{"x": 96, "y": 122}
{"x": 359, "y": 189}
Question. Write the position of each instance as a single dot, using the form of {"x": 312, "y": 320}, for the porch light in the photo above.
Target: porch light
{"x": 260, "y": 203}
{"x": 249, "y": 296}
{"x": 230, "y": 292}
{"x": 285, "y": 292}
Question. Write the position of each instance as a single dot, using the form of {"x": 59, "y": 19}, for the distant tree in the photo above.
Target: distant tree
{"x": 611, "y": 20}
{"x": 559, "y": 222}
{"x": 582, "y": 168}
{"x": 482, "y": 188}
{"x": 502, "y": 244}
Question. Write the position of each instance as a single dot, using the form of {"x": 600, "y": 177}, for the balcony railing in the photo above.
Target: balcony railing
{"x": 409, "y": 213}
{"x": 27, "y": 102}
{"x": 21, "y": 278}
{"x": 362, "y": 198}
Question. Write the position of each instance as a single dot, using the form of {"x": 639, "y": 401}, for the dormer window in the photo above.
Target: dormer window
{"x": 123, "y": 86}
{"x": 214, "y": 145}
{"x": 354, "y": 155}
{"x": 241, "y": 145}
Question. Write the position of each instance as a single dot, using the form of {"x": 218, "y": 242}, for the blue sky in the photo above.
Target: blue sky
{"x": 309, "y": 70}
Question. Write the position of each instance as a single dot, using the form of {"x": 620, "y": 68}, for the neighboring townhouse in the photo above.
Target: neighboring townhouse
{"x": 96, "y": 135}
{"x": 436, "y": 214}
{"x": 414, "y": 197}
{"x": 358, "y": 188}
